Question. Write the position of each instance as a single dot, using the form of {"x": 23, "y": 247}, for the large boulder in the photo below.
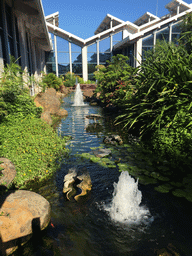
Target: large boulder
{"x": 50, "y": 101}
{"x": 8, "y": 172}
{"x": 21, "y": 213}
{"x": 113, "y": 140}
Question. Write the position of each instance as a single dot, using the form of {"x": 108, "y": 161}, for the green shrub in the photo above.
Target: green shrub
{"x": 51, "y": 81}
{"x": 14, "y": 98}
{"x": 115, "y": 81}
{"x": 70, "y": 79}
{"x": 32, "y": 145}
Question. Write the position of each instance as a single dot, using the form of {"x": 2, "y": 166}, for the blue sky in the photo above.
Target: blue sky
{"x": 82, "y": 18}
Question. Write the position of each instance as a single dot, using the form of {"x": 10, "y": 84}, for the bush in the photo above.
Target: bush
{"x": 115, "y": 81}
{"x": 70, "y": 79}
{"x": 14, "y": 98}
{"x": 51, "y": 81}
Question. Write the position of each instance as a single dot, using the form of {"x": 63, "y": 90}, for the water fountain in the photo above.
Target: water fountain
{"x": 125, "y": 206}
{"x": 78, "y": 98}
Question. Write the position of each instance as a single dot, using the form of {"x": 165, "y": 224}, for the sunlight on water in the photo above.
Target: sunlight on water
{"x": 125, "y": 205}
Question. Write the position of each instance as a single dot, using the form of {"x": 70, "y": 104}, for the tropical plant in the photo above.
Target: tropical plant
{"x": 163, "y": 88}
{"x": 51, "y": 81}
{"x": 115, "y": 81}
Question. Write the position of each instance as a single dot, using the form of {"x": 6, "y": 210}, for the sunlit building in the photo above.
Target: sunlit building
{"x": 40, "y": 44}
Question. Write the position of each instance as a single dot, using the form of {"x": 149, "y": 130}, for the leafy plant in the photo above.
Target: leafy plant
{"x": 115, "y": 81}
{"x": 51, "y": 81}
{"x": 33, "y": 146}
{"x": 70, "y": 79}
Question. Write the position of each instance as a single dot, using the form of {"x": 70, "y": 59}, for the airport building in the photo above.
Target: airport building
{"x": 40, "y": 44}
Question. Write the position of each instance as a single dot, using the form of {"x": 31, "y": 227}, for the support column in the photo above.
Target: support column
{"x": 178, "y": 8}
{"x": 70, "y": 58}
{"x": 170, "y": 32}
{"x": 84, "y": 63}
{"x": 154, "y": 37}
{"x": 111, "y": 45}
{"x": 98, "y": 52}
{"x": 56, "y": 56}
{"x": 138, "y": 52}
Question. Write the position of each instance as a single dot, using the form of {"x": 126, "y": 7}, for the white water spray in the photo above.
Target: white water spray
{"x": 78, "y": 98}
{"x": 125, "y": 206}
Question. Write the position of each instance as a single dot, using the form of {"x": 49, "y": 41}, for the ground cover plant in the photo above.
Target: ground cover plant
{"x": 32, "y": 145}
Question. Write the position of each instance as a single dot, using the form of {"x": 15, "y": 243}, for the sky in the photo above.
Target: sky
{"x": 82, "y": 17}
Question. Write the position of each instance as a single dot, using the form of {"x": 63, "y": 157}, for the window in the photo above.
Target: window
{"x": 175, "y": 32}
{"x": 163, "y": 34}
{"x": 147, "y": 44}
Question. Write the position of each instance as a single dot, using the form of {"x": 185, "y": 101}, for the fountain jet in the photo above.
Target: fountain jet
{"x": 78, "y": 98}
{"x": 125, "y": 206}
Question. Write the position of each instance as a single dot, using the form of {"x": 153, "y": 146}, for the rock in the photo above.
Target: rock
{"x": 94, "y": 116}
{"x": 45, "y": 116}
{"x": 113, "y": 140}
{"x": 64, "y": 90}
{"x": 51, "y": 104}
{"x": 102, "y": 152}
{"x": 62, "y": 112}
{"x": 48, "y": 100}
{"x": 21, "y": 213}
{"x": 8, "y": 173}
{"x": 75, "y": 179}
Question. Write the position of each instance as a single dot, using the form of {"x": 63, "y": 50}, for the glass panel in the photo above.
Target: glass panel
{"x": 63, "y": 57}
{"x": 163, "y": 35}
{"x": 92, "y": 57}
{"x": 77, "y": 68}
{"x": 129, "y": 51}
{"x": 75, "y": 48}
{"x": 148, "y": 41}
{"x": 76, "y": 57}
{"x": 62, "y": 45}
{"x": 117, "y": 38}
{"x": 92, "y": 48}
{"x": 103, "y": 57}
{"x": 104, "y": 45}
{"x": 176, "y": 28}
{"x": 51, "y": 68}
{"x": 175, "y": 32}
{"x": 63, "y": 68}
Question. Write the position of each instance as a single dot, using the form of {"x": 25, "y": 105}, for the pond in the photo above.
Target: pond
{"x": 85, "y": 228}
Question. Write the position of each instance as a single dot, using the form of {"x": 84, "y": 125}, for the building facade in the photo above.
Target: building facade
{"x": 39, "y": 44}
{"x": 73, "y": 54}
{"x": 24, "y": 35}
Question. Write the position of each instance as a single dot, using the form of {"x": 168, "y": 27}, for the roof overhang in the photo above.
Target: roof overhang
{"x": 53, "y": 19}
{"x": 33, "y": 14}
{"x": 172, "y": 6}
{"x": 106, "y": 23}
{"x": 135, "y": 37}
{"x": 145, "y": 18}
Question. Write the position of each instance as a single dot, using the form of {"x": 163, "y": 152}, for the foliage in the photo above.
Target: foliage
{"x": 115, "y": 81}
{"x": 70, "y": 79}
{"x": 186, "y": 33}
{"x": 14, "y": 98}
{"x": 32, "y": 145}
{"x": 163, "y": 88}
{"x": 51, "y": 81}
